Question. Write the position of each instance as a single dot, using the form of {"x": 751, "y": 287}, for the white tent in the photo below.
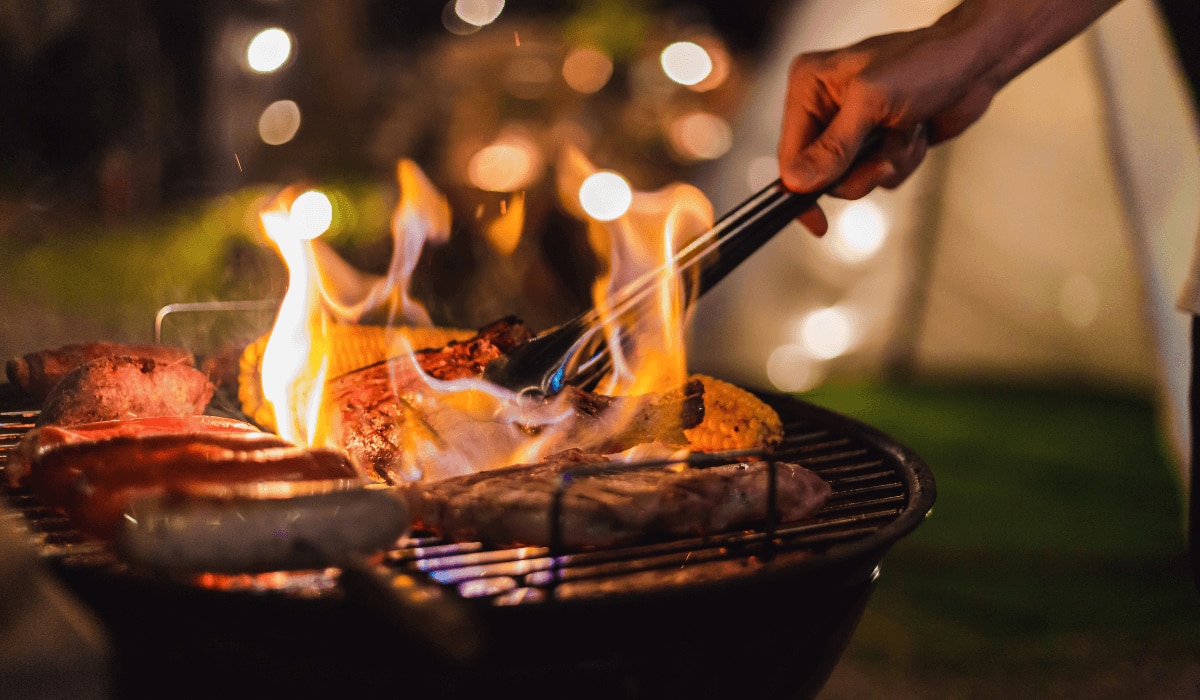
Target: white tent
{"x": 1049, "y": 241}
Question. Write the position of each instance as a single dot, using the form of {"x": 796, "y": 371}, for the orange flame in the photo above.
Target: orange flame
{"x": 469, "y": 425}
{"x": 324, "y": 289}
{"x": 296, "y": 356}
{"x": 647, "y": 343}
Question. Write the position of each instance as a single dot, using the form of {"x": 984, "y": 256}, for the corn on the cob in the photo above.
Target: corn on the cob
{"x": 350, "y": 347}
{"x": 734, "y": 419}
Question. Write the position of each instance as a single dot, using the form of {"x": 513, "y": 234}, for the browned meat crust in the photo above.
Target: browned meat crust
{"x": 120, "y": 387}
{"x": 37, "y": 372}
{"x": 384, "y": 428}
{"x": 604, "y": 507}
{"x": 94, "y": 483}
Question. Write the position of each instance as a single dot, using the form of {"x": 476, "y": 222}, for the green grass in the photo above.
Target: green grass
{"x": 1056, "y": 541}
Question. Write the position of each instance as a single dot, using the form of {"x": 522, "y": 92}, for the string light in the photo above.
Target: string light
{"x": 269, "y": 50}
{"x": 605, "y": 195}
{"x": 686, "y": 62}
{"x": 279, "y": 122}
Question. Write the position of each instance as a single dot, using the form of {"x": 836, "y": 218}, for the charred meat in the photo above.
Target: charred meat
{"x": 608, "y": 504}
{"x": 121, "y": 387}
{"x": 38, "y": 372}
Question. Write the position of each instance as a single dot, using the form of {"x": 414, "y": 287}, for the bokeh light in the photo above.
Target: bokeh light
{"x": 269, "y": 50}
{"x": 455, "y": 24}
{"x": 700, "y": 136}
{"x": 587, "y": 70}
{"x": 478, "y": 12}
{"x": 508, "y": 165}
{"x": 828, "y": 333}
{"x": 791, "y": 368}
{"x": 858, "y": 231}
{"x": 605, "y": 195}
{"x": 279, "y": 122}
{"x": 311, "y": 214}
{"x": 686, "y": 62}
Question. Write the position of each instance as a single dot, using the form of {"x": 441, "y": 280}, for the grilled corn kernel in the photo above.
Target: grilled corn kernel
{"x": 351, "y": 347}
{"x": 734, "y": 419}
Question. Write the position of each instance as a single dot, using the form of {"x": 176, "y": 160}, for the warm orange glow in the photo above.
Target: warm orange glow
{"x": 587, "y": 70}
{"x": 509, "y": 164}
{"x": 470, "y": 425}
{"x": 639, "y": 245}
{"x": 504, "y": 231}
{"x": 700, "y": 136}
{"x": 423, "y": 215}
{"x": 295, "y": 358}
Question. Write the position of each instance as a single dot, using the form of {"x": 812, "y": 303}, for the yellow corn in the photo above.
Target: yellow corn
{"x": 734, "y": 419}
{"x": 350, "y": 347}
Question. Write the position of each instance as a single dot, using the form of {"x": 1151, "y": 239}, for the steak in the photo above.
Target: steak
{"x": 605, "y": 504}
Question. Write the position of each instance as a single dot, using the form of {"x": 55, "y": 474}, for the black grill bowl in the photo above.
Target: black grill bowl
{"x": 759, "y": 613}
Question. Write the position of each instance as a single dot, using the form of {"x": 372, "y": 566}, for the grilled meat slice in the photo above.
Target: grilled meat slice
{"x": 608, "y": 504}
{"x": 38, "y": 372}
{"x": 406, "y": 435}
{"x": 121, "y": 387}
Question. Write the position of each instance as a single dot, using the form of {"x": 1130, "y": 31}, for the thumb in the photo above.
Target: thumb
{"x": 824, "y": 161}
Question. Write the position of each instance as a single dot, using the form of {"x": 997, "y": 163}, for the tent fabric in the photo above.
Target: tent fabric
{"x": 1048, "y": 243}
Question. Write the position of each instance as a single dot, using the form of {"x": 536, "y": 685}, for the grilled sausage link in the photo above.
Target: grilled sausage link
{"x": 95, "y": 483}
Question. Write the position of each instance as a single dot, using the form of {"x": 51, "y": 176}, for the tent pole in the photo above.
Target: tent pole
{"x": 900, "y": 353}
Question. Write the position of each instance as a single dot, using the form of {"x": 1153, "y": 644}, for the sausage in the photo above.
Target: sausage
{"x": 95, "y": 483}
{"x": 36, "y": 373}
{"x": 120, "y": 387}
{"x": 55, "y": 473}
{"x": 38, "y": 441}
{"x": 234, "y": 535}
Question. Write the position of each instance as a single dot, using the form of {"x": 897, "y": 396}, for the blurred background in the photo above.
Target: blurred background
{"x": 1008, "y": 312}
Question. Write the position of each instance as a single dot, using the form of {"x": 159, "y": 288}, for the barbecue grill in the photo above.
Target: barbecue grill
{"x": 763, "y": 611}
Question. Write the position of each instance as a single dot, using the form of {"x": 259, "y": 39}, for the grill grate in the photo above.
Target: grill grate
{"x": 880, "y": 491}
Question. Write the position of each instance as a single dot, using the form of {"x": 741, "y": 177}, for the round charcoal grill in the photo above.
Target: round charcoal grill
{"x": 758, "y": 612}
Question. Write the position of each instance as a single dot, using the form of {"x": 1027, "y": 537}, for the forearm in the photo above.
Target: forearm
{"x": 1007, "y": 36}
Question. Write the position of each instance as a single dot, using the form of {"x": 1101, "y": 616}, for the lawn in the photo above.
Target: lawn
{"x": 1053, "y": 564}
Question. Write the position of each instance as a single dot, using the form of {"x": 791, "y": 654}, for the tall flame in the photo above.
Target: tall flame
{"x": 468, "y": 424}
{"x": 324, "y": 289}
{"x": 295, "y": 359}
{"x": 647, "y": 342}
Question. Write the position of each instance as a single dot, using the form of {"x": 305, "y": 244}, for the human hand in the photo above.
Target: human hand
{"x": 918, "y": 87}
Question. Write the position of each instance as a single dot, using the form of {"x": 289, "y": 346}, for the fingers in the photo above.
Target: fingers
{"x": 814, "y": 220}
{"x": 826, "y": 158}
{"x": 899, "y": 155}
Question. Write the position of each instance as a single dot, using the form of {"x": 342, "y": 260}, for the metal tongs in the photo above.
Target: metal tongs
{"x": 575, "y": 353}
